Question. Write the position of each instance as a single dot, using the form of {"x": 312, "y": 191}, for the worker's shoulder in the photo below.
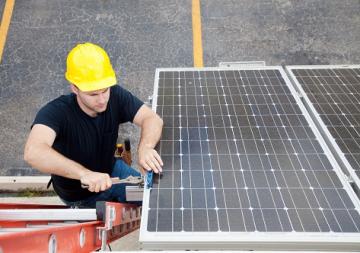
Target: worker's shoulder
{"x": 119, "y": 92}
{"x": 62, "y": 102}
{"x": 118, "y": 89}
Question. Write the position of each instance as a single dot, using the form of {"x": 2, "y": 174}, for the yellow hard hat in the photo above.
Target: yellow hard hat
{"x": 88, "y": 67}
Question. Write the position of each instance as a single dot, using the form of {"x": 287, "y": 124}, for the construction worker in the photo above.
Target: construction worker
{"x": 73, "y": 137}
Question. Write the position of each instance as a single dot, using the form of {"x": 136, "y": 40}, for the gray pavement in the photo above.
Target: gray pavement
{"x": 281, "y": 31}
{"x": 141, "y": 36}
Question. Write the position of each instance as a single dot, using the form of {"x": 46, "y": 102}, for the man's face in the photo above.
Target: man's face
{"x": 92, "y": 102}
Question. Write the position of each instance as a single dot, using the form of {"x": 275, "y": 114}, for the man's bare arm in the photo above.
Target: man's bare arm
{"x": 40, "y": 155}
{"x": 151, "y": 127}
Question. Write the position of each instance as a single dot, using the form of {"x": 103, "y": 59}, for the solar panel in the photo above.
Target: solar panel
{"x": 242, "y": 161}
{"x": 334, "y": 95}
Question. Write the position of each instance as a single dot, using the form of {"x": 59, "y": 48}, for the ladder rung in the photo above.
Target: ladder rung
{"x": 15, "y": 230}
{"x": 50, "y": 225}
{"x": 48, "y": 214}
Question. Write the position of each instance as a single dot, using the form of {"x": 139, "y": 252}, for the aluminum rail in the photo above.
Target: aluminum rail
{"x": 48, "y": 214}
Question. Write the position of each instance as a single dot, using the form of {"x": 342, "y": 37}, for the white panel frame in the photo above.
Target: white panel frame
{"x": 338, "y": 154}
{"x": 329, "y": 241}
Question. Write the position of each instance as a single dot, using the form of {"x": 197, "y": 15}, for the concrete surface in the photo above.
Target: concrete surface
{"x": 130, "y": 242}
{"x": 282, "y": 31}
{"x": 141, "y": 36}
{"x": 2, "y": 6}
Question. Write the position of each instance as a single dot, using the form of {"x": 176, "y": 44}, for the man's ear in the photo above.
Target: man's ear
{"x": 74, "y": 89}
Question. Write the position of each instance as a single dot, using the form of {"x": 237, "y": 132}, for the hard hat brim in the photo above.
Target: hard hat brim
{"x": 96, "y": 85}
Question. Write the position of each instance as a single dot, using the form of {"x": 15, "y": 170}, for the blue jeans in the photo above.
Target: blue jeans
{"x": 116, "y": 192}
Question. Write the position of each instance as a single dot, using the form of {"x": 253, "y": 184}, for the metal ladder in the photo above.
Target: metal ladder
{"x": 56, "y": 228}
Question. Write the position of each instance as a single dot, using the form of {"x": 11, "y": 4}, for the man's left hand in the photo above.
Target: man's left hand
{"x": 149, "y": 159}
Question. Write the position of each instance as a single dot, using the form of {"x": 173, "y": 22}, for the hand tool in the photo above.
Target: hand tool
{"x": 128, "y": 180}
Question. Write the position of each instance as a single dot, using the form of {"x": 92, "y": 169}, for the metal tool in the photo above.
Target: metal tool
{"x": 135, "y": 192}
{"x": 128, "y": 180}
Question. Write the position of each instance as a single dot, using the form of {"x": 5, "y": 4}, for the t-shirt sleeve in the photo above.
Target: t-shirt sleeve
{"x": 50, "y": 116}
{"x": 127, "y": 104}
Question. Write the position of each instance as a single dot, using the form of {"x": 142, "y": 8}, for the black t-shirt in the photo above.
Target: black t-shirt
{"x": 90, "y": 141}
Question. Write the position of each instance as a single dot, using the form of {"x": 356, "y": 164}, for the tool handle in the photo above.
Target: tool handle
{"x": 113, "y": 180}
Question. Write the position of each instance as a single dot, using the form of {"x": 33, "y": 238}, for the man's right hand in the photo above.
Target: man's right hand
{"x": 96, "y": 181}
